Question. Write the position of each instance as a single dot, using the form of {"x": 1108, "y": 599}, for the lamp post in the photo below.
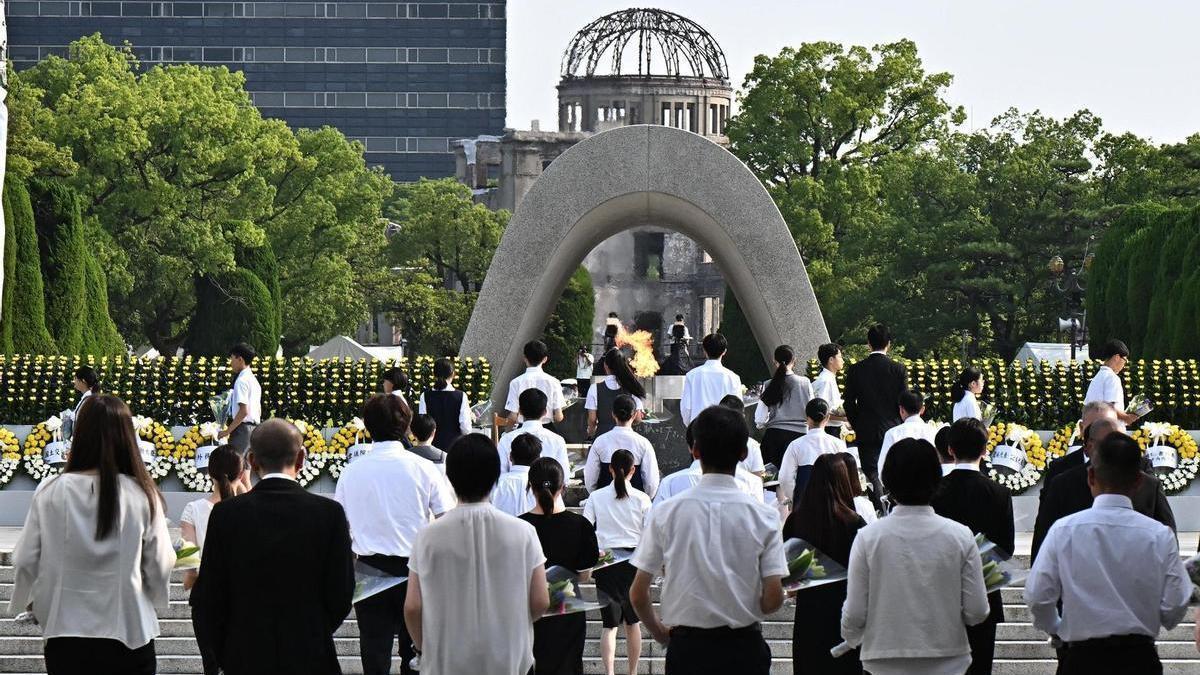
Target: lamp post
{"x": 1069, "y": 283}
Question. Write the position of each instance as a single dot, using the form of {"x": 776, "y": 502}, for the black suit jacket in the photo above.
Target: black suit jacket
{"x": 986, "y": 507}
{"x": 1069, "y": 493}
{"x": 1057, "y": 467}
{"x": 276, "y": 578}
{"x": 872, "y": 397}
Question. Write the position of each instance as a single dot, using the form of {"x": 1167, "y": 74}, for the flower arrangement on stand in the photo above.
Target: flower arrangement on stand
{"x": 1015, "y": 455}
{"x": 336, "y": 451}
{"x": 42, "y": 434}
{"x": 1065, "y": 438}
{"x": 10, "y": 455}
{"x": 185, "y": 456}
{"x": 1172, "y": 453}
{"x": 159, "y": 435}
{"x": 314, "y": 452}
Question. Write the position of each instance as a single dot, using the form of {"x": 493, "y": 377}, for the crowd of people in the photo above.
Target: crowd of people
{"x": 471, "y": 527}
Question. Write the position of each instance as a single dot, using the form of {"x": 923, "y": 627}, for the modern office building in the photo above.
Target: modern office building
{"x": 405, "y": 78}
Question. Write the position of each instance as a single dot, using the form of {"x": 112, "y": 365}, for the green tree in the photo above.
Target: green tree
{"x": 23, "y": 324}
{"x": 261, "y": 261}
{"x": 100, "y": 334}
{"x": 232, "y": 307}
{"x": 744, "y": 356}
{"x": 571, "y": 324}
{"x": 61, "y": 247}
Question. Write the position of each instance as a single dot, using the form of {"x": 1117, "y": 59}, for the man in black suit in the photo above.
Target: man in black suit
{"x": 1093, "y": 411}
{"x": 969, "y": 497}
{"x": 873, "y": 388}
{"x": 277, "y": 573}
{"x": 1069, "y": 492}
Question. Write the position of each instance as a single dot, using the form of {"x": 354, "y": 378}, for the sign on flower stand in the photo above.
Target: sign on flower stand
{"x": 1171, "y": 452}
{"x": 1016, "y": 456}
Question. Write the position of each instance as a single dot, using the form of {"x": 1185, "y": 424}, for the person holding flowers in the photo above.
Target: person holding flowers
{"x": 568, "y": 540}
{"x": 94, "y": 558}
{"x": 618, "y": 510}
{"x": 1106, "y": 383}
{"x": 245, "y": 402}
{"x": 965, "y": 394}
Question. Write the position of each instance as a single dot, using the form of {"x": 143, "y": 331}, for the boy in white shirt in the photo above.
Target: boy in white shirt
{"x": 912, "y": 408}
{"x": 512, "y": 494}
{"x": 707, "y": 384}
{"x": 754, "y": 458}
{"x": 532, "y": 405}
{"x": 717, "y": 538}
{"x": 536, "y": 355}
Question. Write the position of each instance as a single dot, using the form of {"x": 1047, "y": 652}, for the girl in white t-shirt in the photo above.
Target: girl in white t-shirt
{"x": 965, "y": 394}
{"x": 225, "y": 468}
{"x": 618, "y": 510}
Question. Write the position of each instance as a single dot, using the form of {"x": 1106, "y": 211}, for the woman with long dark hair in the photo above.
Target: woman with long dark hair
{"x": 781, "y": 406}
{"x": 824, "y": 517}
{"x": 862, "y": 503}
{"x": 618, "y": 511}
{"x": 448, "y": 406}
{"x": 568, "y": 540}
{"x": 225, "y": 469}
{"x": 965, "y": 392}
{"x": 94, "y": 558}
{"x": 87, "y": 383}
{"x": 619, "y": 379}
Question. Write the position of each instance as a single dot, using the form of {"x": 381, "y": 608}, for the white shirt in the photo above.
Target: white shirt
{"x": 584, "y": 364}
{"x": 706, "y": 385}
{"x": 680, "y": 481}
{"x": 622, "y": 438}
{"x": 246, "y": 390}
{"x": 474, "y": 566}
{"x": 1136, "y": 583}
{"x": 553, "y": 445}
{"x": 512, "y": 494}
{"x": 1106, "y": 386}
{"x": 864, "y": 508}
{"x": 967, "y": 407}
{"x": 535, "y": 378}
{"x": 913, "y": 563}
{"x": 912, "y": 427}
{"x": 825, "y": 387}
{"x": 619, "y": 522}
{"x": 610, "y": 381}
{"x": 196, "y": 514}
{"x": 464, "y": 410}
{"x": 80, "y": 587}
{"x": 754, "y": 461}
{"x": 389, "y": 495}
{"x": 804, "y": 451}
{"x": 717, "y": 545}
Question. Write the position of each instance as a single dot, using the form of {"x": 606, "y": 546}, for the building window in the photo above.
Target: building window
{"x": 648, "y": 255}
{"x": 710, "y": 315}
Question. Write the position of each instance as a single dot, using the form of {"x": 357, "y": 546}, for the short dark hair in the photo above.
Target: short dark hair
{"x": 535, "y": 352}
{"x": 1117, "y": 462}
{"x": 1113, "y": 348}
{"x": 473, "y": 467}
{"x": 275, "y": 444}
{"x": 623, "y": 407}
{"x": 714, "y": 345}
{"x": 689, "y": 435}
{"x": 732, "y": 402}
{"x": 423, "y": 427}
{"x": 386, "y": 417}
{"x": 243, "y": 351}
{"x": 912, "y": 401}
{"x": 878, "y": 336}
{"x": 968, "y": 438}
{"x": 524, "y": 449}
{"x": 397, "y": 377}
{"x": 941, "y": 443}
{"x": 912, "y": 472}
{"x": 532, "y": 404}
{"x": 679, "y": 317}
{"x": 721, "y": 436}
{"x": 827, "y": 351}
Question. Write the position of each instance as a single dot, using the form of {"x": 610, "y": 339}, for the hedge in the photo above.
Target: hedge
{"x": 100, "y": 335}
{"x": 232, "y": 307}
{"x": 175, "y": 390}
{"x": 61, "y": 244}
{"x": 24, "y": 319}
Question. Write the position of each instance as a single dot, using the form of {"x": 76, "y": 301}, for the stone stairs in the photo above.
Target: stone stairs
{"x": 1020, "y": 649}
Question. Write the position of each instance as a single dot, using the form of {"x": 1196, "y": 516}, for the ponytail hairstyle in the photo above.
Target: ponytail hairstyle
{"x": 817, "y": 410}
{"x": 965, "y": 378}
{"x": 618, "y": 367}
{"x": 443, "y": 370}
{"x": 545, "y": 480}
{"x": 623, "y": 408}
{"x": 225, "y": 468}
{"x": 776, "y": 392}
{"x": 88, "y": 376}
{"x": 619, "y": 464}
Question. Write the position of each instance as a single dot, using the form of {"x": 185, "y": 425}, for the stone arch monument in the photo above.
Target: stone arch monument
{"x": 631, "y": 176}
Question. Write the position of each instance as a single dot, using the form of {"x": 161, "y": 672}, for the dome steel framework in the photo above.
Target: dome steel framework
{"x": 662, "y": 39}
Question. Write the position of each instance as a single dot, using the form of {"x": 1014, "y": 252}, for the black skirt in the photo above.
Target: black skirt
{"x": 558, "y": 644}
{"x": 614, "y": 582}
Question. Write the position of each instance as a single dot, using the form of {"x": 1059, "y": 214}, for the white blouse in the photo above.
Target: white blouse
{"x": 75, "y": 583}
{"x": 196, "y": 513}
{"x": 967, "y": 407}
{"x": 618, "y": 521}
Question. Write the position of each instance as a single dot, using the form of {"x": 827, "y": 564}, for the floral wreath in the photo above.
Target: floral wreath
{"x": 164, "y": 445}
{"x": 42, "y": 434}
{"x": 335, "y": 452}
{"x": 1022, "y": 438}
{"x": 1063, "y": 440}
{"x": 1156, "y": 434}
{"x": 10, "y": 455}
{"x": 185, "y": 456}
{"x": 314, "y": 451}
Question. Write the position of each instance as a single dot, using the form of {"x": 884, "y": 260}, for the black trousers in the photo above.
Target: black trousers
{"x": 208, "y": 658}
{"x": 718, "y": 651}
{"x": 88, "y": 656}
{"x": 775, "y": 443}
{"x": 381, "y": 621}
{"x": 1110, "y": 659}
{"x": 982, "y": 638}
